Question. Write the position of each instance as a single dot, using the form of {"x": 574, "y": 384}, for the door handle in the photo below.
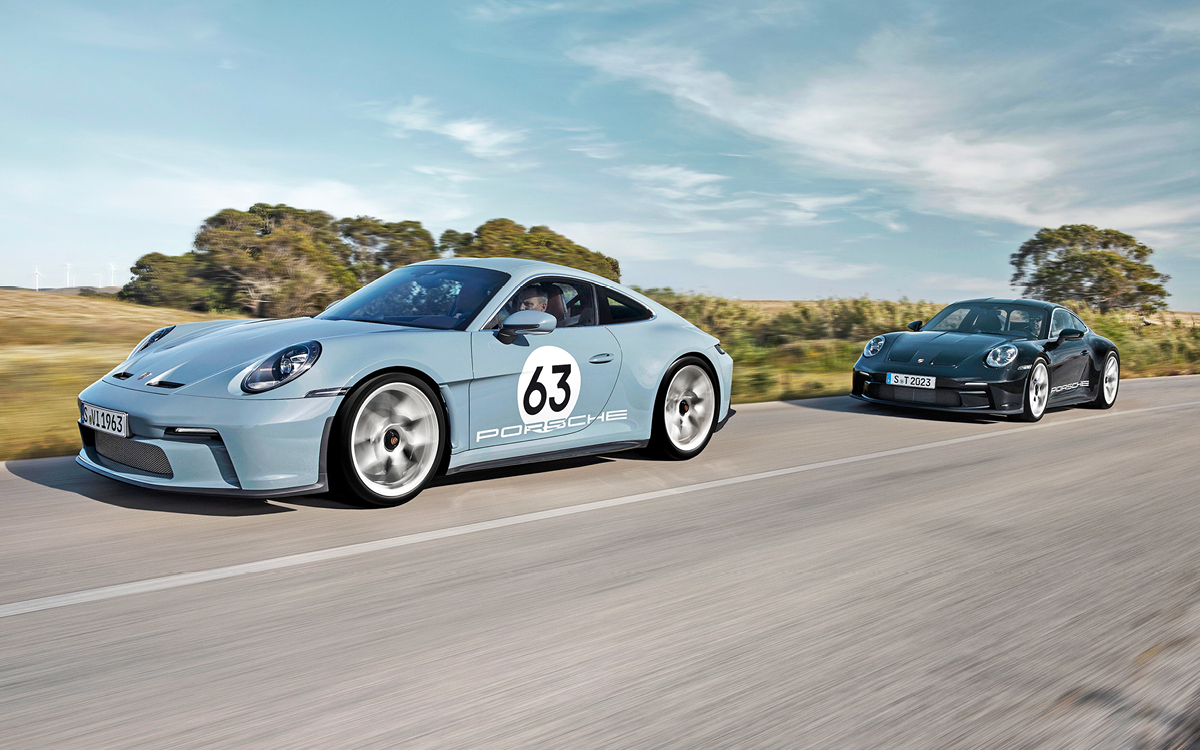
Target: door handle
{"x": 600, "y": 359}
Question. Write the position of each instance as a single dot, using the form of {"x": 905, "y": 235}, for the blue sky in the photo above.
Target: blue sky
{"x": 765, "y": 149}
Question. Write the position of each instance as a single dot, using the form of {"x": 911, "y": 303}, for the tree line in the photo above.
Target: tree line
{"x": 281, "y": 261}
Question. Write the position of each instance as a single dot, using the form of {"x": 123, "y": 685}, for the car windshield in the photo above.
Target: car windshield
{"x": 1006, "y": 319}
{"x": 440, "y": 297}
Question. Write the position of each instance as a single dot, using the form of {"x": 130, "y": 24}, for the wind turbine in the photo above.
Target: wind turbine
{"x": 68, "y": 265}
{"x": 37, "y": 279}
{"x": 99, "y": 280}
{"x": 111, "y": 270}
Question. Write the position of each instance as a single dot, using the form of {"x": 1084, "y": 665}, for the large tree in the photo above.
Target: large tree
{"x": 283, "y": 261}
{"x": 504, "y": 238}
{"x": 273, "y": 260}
{"x": 372, "y": 247}
{"x": 1102, "y": 268}
{"x": 277, "y": 260}
{"x": 168, "y": 281}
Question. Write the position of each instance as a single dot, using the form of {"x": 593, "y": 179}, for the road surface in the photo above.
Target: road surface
{"x": 827, "y": 574}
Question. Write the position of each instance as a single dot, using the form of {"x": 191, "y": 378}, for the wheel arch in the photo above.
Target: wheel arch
{"x": 1044, "y": 359}
{"x": 397, "y": 370}
{"x": 708, "y": 365}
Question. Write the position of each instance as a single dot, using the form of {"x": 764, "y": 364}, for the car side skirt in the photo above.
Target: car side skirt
{"x": 588, "y": 450}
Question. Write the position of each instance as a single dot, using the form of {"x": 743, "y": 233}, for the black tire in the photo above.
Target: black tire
{"x": 1037, "y": 392}
{"x": 381, "y": 457}
{"x": 693, "y": 379}
{"x": 1104, "y": 398}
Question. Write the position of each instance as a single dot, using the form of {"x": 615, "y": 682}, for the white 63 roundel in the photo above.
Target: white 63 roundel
{"x": 549, "y": 385}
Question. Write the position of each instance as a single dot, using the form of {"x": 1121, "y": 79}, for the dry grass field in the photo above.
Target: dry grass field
{"x": 52, "y": 346}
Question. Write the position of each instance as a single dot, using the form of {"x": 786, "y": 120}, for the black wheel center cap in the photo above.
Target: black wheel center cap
{"x": 391, "y": 439}
{"x": 683, "y": 407}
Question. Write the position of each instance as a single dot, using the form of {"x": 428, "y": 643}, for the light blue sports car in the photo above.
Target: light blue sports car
{"x": 442, "y": 366}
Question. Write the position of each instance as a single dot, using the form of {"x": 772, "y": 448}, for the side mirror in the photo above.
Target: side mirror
{"x": 527, "y": 322}
{"x": 915, "y": 325}
{"x": 1070, "y": 334}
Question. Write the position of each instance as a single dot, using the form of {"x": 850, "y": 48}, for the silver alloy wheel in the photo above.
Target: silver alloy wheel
{"x": 689, "y": 408}
{"x": 1039, "y": 389}
{"x": 1112, "y": 379}
{"x": 394, "y": 439}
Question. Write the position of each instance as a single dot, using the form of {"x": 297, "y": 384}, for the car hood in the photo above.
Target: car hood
{"x": 191, "y": 355}
{"x": 946, "y": 348}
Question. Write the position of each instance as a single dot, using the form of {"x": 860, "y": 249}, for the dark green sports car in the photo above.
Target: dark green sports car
{"x": 1013, "y": 357}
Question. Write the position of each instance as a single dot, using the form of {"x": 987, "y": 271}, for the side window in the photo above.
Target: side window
{"x": 572, "y": 303}
{"x": 1060, "y": 320}
{"x": 617, "y": 308}
{"x": 1077, "y": 323}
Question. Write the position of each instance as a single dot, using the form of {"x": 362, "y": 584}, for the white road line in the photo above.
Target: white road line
{"x": 350, "y": 550}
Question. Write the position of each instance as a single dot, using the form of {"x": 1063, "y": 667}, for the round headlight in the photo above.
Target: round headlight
{"x": 1002, "y": 356}
{"x": 281, "y": 368}
{"x": 873, "y": 346}
{"x": 152, "y": 338}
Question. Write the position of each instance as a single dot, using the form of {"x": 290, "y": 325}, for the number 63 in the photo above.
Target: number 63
{"x": 535, "y": 387}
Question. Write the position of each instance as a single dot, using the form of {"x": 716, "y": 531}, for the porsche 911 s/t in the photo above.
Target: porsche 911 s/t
{"x": 441, "y": 366}
{"x": 991, "y": 356}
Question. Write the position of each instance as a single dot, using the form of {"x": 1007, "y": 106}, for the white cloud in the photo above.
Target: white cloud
{"x": 884, "y": 218}
{"x": 723, "y": 260}
{"x": 187, "y": 197}
{"x": 816, "y": 203}
{"x": 901, "y": 115}
{"x": 499, "y": 11}
{"x": 973, "y": 284}
{"x": 818, "y": 266}
{"x": 624, "y": 240}
{"x": 1171, "y": 32}
{"x": 478, "y": 137}
{"x": 595, "y": 146}
{"x": 448, "y": 174}
{"x": 672, "y": 182}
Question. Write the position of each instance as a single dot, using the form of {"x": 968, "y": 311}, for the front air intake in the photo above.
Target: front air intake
{"x": 134, "y": 454}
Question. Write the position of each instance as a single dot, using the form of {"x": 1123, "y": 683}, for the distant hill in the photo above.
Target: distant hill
{"x": 74, "y": 290}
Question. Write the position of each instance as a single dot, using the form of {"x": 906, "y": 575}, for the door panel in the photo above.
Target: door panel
{"x": 542, "y": 386}
{"x": 1068, "y": 360}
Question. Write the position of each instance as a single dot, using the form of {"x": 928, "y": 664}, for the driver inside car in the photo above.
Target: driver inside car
{"x": 533, "y": 298}
{"x": 1024, "y": 322}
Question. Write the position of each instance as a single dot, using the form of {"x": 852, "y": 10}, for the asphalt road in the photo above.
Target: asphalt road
{"x": 827, "y": 574}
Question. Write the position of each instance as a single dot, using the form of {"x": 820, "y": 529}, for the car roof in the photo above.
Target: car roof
{"x": 521, "y": 268}
{"x": 1003, "y": 301}
{"x": 496, "y": 264}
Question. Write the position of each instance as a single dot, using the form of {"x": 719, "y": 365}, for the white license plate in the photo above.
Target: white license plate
{"x": 106, "y": 420}
{"x": 912, "y": 381}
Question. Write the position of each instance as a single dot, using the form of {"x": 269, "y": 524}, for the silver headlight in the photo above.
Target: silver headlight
{"x": 1002, "y": 356}
{"x": 281, "y": 368}
{"x": 873, "y": 346}
{"x": 156, "y": 336}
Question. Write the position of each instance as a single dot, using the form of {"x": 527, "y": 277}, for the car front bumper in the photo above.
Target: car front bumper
{"x": 262, "y": 447}
{"x": 992, "y": 393}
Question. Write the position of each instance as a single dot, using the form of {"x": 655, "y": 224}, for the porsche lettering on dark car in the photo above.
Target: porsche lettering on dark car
{"x": 991, "y": 356}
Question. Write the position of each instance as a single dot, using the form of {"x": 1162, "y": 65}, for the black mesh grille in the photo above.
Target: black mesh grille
{"x": 132, "y": 453}
{"x": 903, "y": 395}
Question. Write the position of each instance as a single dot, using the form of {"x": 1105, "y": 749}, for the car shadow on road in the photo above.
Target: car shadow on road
{"x": 67, "y": 476}
{"x": 848, "y": 405}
